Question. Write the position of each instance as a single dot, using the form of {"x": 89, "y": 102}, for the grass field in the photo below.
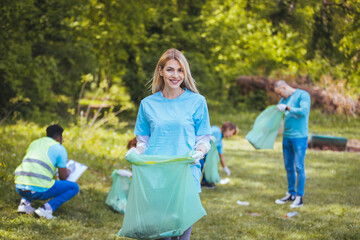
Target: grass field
{"x": 331, "y": 203}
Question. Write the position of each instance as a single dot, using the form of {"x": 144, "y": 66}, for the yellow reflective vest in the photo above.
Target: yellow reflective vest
{"x": 36, "y": 168}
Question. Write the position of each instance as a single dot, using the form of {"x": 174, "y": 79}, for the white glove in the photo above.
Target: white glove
{"x": 281, "y": 107}
{"x": 198, "y": 155}
{"x": 226, "y": 169}
{"x": 132, "y": 150}
{"x": 124, "y": 173}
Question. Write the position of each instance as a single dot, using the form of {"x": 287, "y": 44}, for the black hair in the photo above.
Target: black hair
{"x": 54, "y": 131}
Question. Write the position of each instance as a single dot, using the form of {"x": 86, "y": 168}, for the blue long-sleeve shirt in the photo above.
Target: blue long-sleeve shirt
{"x": 296, "y": 122}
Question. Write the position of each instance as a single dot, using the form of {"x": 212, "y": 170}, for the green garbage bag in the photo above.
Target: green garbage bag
{"x": 119, "y": 191}
{"x": 211, "y": 164}
{"x": 265, "y": 129}
{"x": 163, "y": 199}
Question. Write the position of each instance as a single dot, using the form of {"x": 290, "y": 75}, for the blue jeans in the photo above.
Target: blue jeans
{"x": 61, "y": 192}
{"x": 294, "y": 151}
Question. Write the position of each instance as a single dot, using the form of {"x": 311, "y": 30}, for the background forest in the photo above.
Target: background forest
{"x": 59, "y": 56}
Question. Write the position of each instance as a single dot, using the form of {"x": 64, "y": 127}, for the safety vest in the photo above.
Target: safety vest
{"x": 36, "y": 168}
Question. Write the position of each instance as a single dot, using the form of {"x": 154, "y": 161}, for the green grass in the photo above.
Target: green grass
{"x": 332, "y": 194}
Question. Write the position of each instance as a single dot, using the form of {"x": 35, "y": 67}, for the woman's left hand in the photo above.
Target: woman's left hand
{"x": 198, "y": 155}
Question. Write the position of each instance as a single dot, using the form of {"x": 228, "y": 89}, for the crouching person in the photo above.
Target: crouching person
{"x": 34, "y": 177}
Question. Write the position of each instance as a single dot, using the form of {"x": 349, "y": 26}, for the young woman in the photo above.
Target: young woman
{"x": 174, "y": 119}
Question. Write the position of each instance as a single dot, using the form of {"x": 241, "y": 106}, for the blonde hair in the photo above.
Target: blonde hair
{"x": 173, "y": 54}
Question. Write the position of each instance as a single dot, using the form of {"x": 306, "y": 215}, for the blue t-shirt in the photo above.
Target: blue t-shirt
{"x": 172, "y": 124}
{"x": 216, "y": 133}
{"x": 296, "y": 122}
{"x": 58, "y": 157}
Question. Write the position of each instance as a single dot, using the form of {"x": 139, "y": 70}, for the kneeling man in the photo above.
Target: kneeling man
{"x": 34, "y": 177}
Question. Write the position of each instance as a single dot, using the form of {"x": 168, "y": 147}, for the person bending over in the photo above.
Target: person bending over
{"x": 228, "y": 129}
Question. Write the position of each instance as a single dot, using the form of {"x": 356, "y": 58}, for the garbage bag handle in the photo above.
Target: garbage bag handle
{"x": 183, "y": 159}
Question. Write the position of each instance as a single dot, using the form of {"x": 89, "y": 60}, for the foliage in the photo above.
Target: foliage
{"x": 46, "y": 47}
{"x": 102, "y": 107}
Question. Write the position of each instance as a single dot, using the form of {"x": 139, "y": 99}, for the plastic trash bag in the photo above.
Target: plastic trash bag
{"x": 119, "y": 191}
{"x": 211, "y": 164}
{"x": 265, "y": 129}
{"x": 163, "y": 198}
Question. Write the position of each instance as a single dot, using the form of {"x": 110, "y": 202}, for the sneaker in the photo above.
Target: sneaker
{"x": 285, "y": 199}
{"x": 208, "y": 185}
{"x": 25, "y": 207}
{"x": 42, "y": 212}
{"x": 297, "y": 203}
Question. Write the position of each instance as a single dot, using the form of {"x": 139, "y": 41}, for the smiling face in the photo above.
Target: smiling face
{"x": 173, "y": 74}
